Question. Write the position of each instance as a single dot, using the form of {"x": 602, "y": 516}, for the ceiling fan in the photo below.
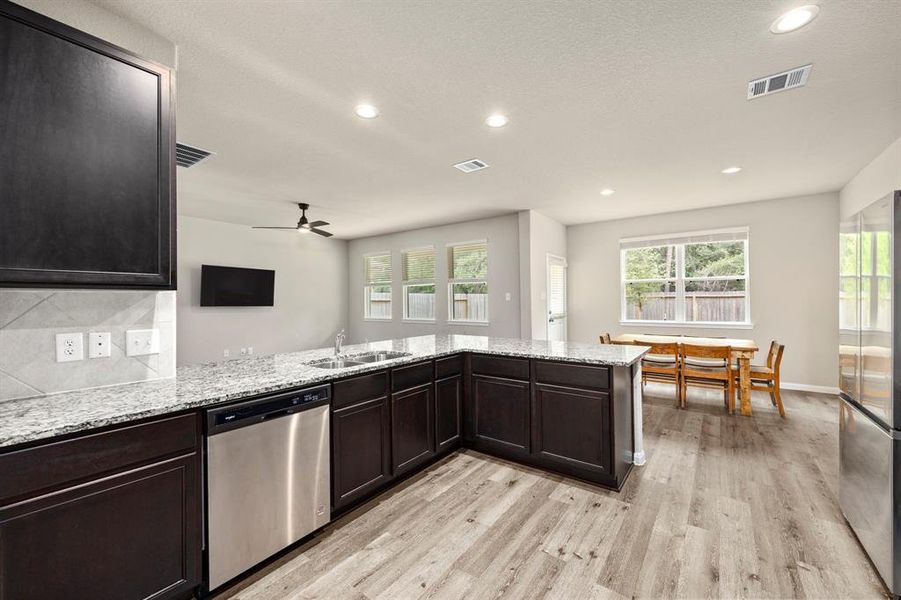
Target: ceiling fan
{"x": 303, "y": 225}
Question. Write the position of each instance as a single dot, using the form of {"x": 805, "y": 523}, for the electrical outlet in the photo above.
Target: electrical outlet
{"x": 226, "y": 353}
{"x": 508, "y": 296}
{"x": 243, "y": 351}
{"x": 99, "y": 345}
{"x": 140, "y": 342}
{"x": 249, "y": 349}
{"x": 69, "y": 347}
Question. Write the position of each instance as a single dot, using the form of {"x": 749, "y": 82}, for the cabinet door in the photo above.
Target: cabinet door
{"x": 448, "y": 412}
{"x": 132, "y": 535}
{"x": 501, "y": 416}
{"x": 412, "y": 427}
{"x": 361, "y": 450}
{"x": 87, "y": 163}
{"x": 571, "y": 429}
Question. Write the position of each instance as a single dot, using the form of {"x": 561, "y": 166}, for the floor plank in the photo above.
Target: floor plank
{"x": 726, "y": 507}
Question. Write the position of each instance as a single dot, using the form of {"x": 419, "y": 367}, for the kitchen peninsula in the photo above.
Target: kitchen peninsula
{"x": 563, "y": 407}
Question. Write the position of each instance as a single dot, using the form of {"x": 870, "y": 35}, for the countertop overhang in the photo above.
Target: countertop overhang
{"x": 195, "y": 386}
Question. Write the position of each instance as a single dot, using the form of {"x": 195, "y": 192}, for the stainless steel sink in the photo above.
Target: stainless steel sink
{"x": 334, "y": 363}
{"x": 377, "y": 356}
{"x": 354, "y": 360}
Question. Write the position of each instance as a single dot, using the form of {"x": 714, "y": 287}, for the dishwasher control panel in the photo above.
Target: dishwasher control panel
{"x": 268, "y": 407}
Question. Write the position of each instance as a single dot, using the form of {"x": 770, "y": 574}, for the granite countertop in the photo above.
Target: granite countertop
{"x": 39, "y": 417}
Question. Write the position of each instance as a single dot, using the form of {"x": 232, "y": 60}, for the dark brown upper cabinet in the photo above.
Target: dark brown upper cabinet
{"x": 87, "y": 162}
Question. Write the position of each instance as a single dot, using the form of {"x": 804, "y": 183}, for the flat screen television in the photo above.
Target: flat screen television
{"x": 236, "y": 286}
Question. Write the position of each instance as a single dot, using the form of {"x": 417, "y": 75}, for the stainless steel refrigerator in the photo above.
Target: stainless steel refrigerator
{"x": 870, "y": 382}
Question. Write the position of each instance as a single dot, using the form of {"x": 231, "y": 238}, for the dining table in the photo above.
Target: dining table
{"x": 742, "y": 350}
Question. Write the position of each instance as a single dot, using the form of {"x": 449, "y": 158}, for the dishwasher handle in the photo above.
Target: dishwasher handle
{"x": 267, "y": 408}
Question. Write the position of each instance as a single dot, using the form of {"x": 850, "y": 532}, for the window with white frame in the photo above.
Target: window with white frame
{"x": 467, "y": 267}
{"x": 691, "y": 278}
{"x": 418, "y": 274}
{"x": 377, "y": 286}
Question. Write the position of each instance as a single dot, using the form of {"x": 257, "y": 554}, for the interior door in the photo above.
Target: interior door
{"x": 556, "y": 298}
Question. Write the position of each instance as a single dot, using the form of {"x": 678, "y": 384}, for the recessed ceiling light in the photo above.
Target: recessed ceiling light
{"x": 794, "y": 19}
{"x": 607, "y": 192}
{"x": 731, "y": 170}
{"x": 496, "y": 120}
{"x": 366, "y": 111}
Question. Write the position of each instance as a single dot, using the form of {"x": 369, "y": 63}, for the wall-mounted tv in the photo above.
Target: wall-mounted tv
{"x": 235, "y": 286}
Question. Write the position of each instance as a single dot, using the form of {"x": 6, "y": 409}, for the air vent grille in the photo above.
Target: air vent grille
{"x": 188, "y": 156}
{"x": 471, "y": 165}
{"x": 778, "y": 82}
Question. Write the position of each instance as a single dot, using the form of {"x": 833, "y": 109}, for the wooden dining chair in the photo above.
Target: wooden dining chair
{"x": 708, "y": 366}
{"x": 661, "y": 364}
{"x": 766, "y": 378}
{"x": 605, "y": 338}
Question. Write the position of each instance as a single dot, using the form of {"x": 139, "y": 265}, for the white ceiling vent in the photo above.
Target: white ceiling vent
{"x": 188, "y": 156}
{"x": 471, "y": 165}
{"x": 779, "y": 82}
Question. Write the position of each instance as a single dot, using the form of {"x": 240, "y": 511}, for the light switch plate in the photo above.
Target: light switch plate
{"x": 69, "y": 347}
{"x": 141, "y": 342}
{"x": 99, "y": 345}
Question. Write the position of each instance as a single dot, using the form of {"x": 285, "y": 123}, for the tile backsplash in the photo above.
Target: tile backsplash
{"x": 30, "y": 320}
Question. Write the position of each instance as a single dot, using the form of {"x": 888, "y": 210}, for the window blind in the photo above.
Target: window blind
{"x": 378, "y": 269}
{"x": 557, "y": 284}
{"x": 468, "y": 261}
{"x": 418, "y": 265}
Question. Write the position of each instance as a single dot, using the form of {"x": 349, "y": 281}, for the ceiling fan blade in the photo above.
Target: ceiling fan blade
{"x": 318, "y": 224}
{"x": 322, "y": 233}
{"x": 291, "y": 228}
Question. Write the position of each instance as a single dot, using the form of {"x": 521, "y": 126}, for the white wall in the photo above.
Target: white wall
{"x": 793, "y": 278}
{"x": 874, "y": 181}
{"x": 538, "y": 236}
{"x": 502, "y": 234}
{"x": 310, "y": 291}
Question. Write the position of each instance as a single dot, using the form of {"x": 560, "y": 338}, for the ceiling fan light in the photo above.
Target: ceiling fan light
{"x": 303, "y": 229}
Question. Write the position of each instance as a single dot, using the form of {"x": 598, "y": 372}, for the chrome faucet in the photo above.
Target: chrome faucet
{"x": 340, "y": 337}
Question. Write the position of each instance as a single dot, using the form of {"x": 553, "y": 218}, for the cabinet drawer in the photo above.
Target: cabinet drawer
{"x": 56, "y": 463}
{"x": 574, "y": 376}
{"x": 404, "y": 378}
{"x": 496, "y": 366}
{"x": 448, "y": 367}
{"x": 359, "y": 389}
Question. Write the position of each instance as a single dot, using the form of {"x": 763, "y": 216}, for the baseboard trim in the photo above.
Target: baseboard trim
{"x": 804, "y": 387}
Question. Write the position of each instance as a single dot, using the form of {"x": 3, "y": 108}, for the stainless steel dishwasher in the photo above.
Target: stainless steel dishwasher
{"x": 267, "y": 477}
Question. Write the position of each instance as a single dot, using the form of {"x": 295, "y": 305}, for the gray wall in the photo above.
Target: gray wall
{"x": 310, "y": 291}
{"x": 502, "y": 234}
{"x": 546, "y": 236}
{"x": 96, "y": 20}
{"x": 879, "y": 178}
{"x": 793, "y": 270}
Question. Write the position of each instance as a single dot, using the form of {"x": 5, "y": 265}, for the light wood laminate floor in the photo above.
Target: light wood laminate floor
{"x": 726, "y": 507}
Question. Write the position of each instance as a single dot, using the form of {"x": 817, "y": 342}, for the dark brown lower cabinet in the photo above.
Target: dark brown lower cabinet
{"x": 88, "y": 532}
{"x": 571, "y": 429}
{"x": 412, "y": 427}
{"x": 448, "y": 412}
{"x": 361, "y": 450}
{"x": 501, "y": 417}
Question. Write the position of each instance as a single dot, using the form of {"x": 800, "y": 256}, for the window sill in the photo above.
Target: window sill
{"x": 687, "y": 325}
{"x": 377, "y": 319}
{"x": 417, "y": 321}
{"x": 472, "y": 323}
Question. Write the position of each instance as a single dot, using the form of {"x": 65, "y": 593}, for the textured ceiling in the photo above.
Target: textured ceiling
{"x": 647, "y": 98}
